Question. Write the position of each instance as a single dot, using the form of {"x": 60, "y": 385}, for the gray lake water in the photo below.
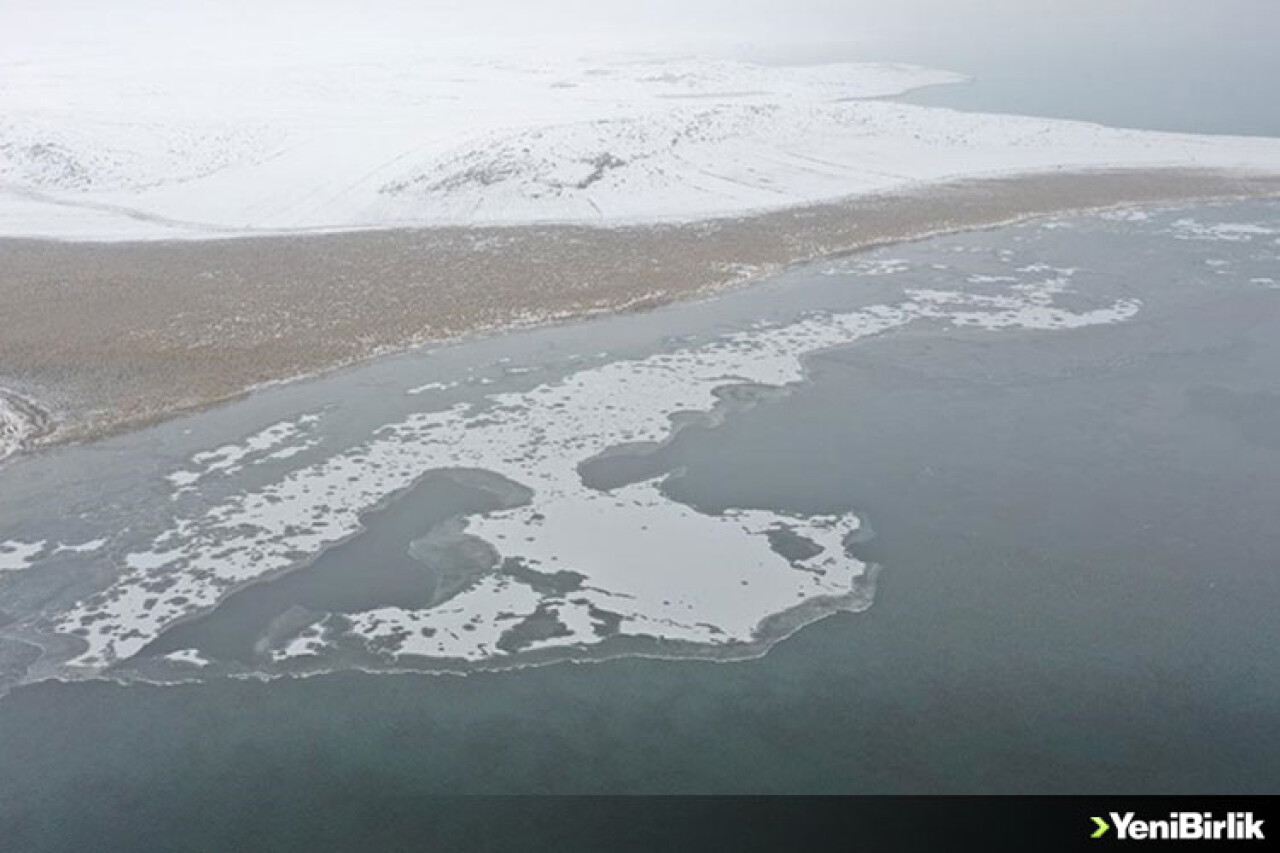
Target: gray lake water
{"x": 1176, "y": 65}
{"x": 1076, "y": 529}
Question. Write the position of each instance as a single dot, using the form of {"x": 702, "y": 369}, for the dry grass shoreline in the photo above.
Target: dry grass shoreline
{"x": 110, "y": 336}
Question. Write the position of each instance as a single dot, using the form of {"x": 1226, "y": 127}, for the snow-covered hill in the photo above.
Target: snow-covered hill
{"x": 103, "y": 145}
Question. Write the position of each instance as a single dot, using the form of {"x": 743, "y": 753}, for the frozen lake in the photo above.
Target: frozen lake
{"x": 523, "y": 491}
{"x": 1056, "y": 440}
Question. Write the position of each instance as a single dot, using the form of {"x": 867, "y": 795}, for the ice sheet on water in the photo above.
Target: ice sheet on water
{"x": 573, "y": 566}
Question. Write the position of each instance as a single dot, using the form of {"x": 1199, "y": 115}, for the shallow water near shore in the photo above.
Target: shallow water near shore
{"x": 1075, "y": 524}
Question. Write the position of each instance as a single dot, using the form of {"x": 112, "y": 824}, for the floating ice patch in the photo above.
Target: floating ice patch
{"x": 231, "y": 458}
{"x": 720, "y": 578}
{"x": 83, "y": 548}
{"x": 16, "y": 556}
{"x": 573, "y": 565}
{"x": 307, "y": 643}
{"x": 1066, "y": 272}
{"x": 1228, "y": 232}
{"x": 887, "y": 266}
{"x": 1028, "y": 305}
{"x": 431, "y": 386}
{"x": 1125, "y": 214}
{"x": 190, "y": 657}
{"x": 469, "y": 627}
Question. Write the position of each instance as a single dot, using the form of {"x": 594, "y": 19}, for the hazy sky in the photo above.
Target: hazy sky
{"x": 38, "y": 27}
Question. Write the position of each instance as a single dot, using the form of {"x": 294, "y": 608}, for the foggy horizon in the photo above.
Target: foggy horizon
{"x": 210, "y": 27}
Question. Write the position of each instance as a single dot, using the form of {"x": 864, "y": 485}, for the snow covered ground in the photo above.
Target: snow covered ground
{"x": 103, "y": 142}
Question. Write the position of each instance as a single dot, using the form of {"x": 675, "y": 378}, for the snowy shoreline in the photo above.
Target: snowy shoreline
{"x": 106, "y": 152}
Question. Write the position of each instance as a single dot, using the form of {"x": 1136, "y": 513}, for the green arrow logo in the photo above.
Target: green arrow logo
{"x": 1102, "y": 828}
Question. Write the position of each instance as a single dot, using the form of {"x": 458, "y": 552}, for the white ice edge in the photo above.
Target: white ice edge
{"x": 662, "y": 569}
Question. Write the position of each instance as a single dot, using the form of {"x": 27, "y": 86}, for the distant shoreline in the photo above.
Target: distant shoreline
{"x": 111, "y": 336}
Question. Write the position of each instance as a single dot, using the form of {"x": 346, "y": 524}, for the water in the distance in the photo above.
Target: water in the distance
{"x": 1175, "y": 65}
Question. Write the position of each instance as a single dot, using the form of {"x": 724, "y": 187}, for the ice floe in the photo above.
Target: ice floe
{"x": 1228, "y": 232}
{"x": 429, "y": 387}
{"x": 873, "y": 267}
{"x": 190, "y": 657}
{"x": 16, "y": 555}
{"x": 231, "y": 458}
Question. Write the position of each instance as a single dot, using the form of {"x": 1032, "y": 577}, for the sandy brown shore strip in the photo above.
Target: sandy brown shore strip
{"x": 113, "y": 335}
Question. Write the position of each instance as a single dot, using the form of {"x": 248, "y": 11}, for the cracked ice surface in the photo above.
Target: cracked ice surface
{"x": 644, "y": 565}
